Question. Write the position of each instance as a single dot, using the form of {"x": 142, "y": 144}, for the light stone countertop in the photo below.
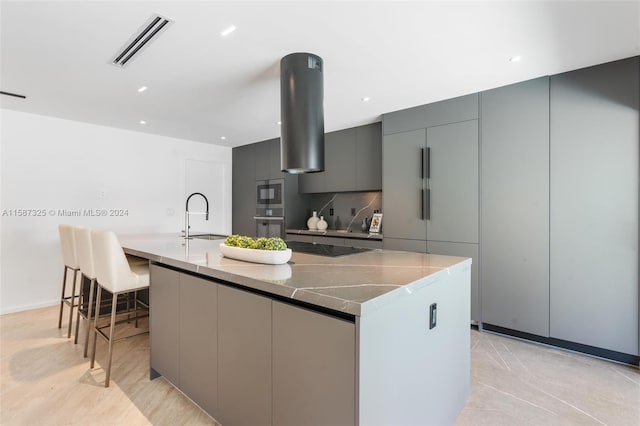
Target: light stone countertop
{"x": 354, "y": 284}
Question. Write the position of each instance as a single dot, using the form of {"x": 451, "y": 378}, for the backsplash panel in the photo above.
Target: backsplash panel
{"x": 342, "y": 203}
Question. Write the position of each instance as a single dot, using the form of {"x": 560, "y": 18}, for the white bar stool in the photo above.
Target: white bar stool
{"x": 84, "y": 251}
{"x": 69, "y": 255}
{"x": 118, "y": 277}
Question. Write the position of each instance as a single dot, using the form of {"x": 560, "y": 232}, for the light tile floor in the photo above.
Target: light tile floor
{"x": 44, "y": 380}
{"x": 520, "y": 383}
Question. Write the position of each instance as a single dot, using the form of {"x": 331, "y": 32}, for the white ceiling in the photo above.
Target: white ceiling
{"x": 202, "y": 86}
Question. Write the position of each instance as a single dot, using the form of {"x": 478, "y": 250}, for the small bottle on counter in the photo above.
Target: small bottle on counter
{"x": 322, "y": 224}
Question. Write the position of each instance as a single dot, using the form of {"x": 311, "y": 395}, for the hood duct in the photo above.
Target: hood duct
{"x": 302, "y": 114}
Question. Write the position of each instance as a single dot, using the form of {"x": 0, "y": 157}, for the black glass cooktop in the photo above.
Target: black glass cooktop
{"x": 323, "y": 249}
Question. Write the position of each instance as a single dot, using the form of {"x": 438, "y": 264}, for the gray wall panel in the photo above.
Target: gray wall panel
{"x": 515, "y": 206}
{"x": 594, "y": 206}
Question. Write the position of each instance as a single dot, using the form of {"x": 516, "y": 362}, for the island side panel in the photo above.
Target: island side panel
{"x": 164, "y": 323}
{"x": 410, "y": 374}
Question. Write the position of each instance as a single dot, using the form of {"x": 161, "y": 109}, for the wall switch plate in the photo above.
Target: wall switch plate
{"x": 433, "y": 313}
{"x": 331, "y": 211}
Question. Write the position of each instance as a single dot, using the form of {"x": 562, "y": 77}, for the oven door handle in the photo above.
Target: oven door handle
{"x": 268, "y": 217}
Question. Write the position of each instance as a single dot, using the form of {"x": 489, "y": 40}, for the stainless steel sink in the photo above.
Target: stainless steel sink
{"x": 209, "y": 237}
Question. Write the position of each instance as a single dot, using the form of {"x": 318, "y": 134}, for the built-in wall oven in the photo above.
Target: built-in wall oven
{"x": 270, "y": 208}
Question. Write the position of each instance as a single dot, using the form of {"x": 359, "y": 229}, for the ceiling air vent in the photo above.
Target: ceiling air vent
{"x": 148, "y": 33}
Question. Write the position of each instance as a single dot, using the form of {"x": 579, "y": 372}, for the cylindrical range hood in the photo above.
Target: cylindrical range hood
{"x": 302, "y": 113}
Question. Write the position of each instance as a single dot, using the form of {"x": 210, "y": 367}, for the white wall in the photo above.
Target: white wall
{"x": 49, "y": 164}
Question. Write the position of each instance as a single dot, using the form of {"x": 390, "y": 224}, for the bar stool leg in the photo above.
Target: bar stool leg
{"x": 95, "y": 327}
{"x": 135, "y": 306}
{"x": 114, "y": 308}
{"x": 80, "y": 305}
{"x": 73, "y": 301}
{"x": 89, "y": 306}
{"x": 64, "y": 285}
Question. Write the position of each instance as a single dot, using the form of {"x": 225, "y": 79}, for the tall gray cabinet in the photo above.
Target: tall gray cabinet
{"x": 594, "y": 166}
{"x": 431, "y": 183}
{"x": 243, "y": 190}
{"x": 515, "y": 206}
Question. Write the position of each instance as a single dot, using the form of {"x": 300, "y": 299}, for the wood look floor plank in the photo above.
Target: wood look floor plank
{"x": 45, "y": 380}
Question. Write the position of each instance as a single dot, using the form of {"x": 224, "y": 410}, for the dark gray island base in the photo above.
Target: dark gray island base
{"x": 380, "y": 337}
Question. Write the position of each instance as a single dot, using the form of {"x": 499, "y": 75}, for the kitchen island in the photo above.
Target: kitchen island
{"x": 380, "y": 337}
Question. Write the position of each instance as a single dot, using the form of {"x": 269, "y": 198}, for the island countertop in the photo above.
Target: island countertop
{"x": 354, "y": 284}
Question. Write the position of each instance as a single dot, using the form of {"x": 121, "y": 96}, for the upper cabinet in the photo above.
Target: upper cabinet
{"x": 369, "y": 157}
{"x": 353, "y": 162}
{"x": 268, "y": 160}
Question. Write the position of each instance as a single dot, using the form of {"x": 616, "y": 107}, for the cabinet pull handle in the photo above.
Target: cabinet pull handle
{"x": 422, "y": 204}
{"x": 428, "y": 163}
{"x": 428, "y": 216}
{"x": 421, "y": 163}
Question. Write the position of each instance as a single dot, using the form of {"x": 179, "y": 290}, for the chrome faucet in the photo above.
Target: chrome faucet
{"x": 187, "y": 213}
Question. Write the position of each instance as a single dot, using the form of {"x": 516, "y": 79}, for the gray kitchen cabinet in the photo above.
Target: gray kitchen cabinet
{"x": 340, "y": 155}
{"x": 268, "y": 160}
{"x": 313, "y": 182}
{"x": 244, "y": 190}
{"x": 431, "y": 181}
{"x": 452, "y": 201}
{"x": 163, "y": 322}
{"x": 244, "y": 358}
{"x": 353, "y": 159}
{"x": 463, "y": 250}
{"x": 594, "y": 206}
{"x": 198, "y": 338}
{"x": 403, "y": 185}
{"x": 314, "y": 371}
{"x": 404, "y": 244}
{"x": 445, "y": 209}
{"x": 369, "y": 157}
{"x": 453, "y": 110}
{"x": 515, "y": 206}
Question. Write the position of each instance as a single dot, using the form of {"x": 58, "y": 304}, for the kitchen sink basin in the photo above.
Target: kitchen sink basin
{"x": 209, "y": 237}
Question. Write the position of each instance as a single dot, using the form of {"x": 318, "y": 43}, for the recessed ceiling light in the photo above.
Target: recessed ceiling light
{"x": 365, "y": 99}
{"x": 228, "y": 30}
{"x": 517, "y": 58}
{"x": 142, "y": 89}
{"x": 279, "y": 123}
{"x": 223, "y": 137}
{"x": 143, "y": 122}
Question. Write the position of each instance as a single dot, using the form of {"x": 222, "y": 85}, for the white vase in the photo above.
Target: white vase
{"x": 322, "y": 224}
{"x": 312, "y": 223}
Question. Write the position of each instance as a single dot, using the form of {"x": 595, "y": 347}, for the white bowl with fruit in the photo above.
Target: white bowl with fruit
{"x": 271, "y": 251}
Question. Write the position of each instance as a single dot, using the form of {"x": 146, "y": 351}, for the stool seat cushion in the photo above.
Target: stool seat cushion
{"x": 112, "y": 269}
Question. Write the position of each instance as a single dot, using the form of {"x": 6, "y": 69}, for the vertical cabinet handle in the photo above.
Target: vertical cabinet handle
{"x": 428, "y": 215}
{"x": 421, "y": 163}
{"x": 422, "y": 204}
{"x": 428, "y": 163}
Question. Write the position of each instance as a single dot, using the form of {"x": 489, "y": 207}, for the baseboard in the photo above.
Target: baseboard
{"x": 13, "y": 309}
{"x": 620, "y": 357}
